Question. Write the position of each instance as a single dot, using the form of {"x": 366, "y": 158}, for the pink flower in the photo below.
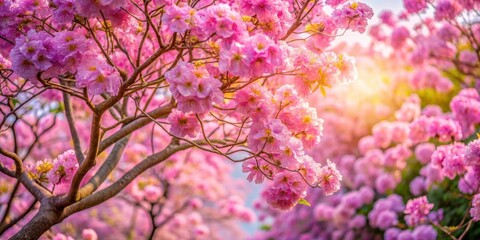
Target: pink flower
{"x": 445, "y": 129}
{"x": 97, "y": 76}
{"x": 399, "y": 37}
{"x": 472, "y": 153}
{"x": 475, "y": 210}
{"x": 262, "y": 54}
{"x": 417, "y": 210}
{"x": 178, "y": 19}
{"x": 347, "y": 68}
{"x": 385, "y": 182}
{"x": 466, "y": 109}
{"x": 221, "y": 20}
{"x": 89, "y": 234}
{"x": 64, "y": 11}
{"x": 382, "y": 132}
{"x": 255, "y": 102}
{"x": 353, "y": 16}
{"x": 291, "y": 153}
{"x": 409, "y": 110}
{"x": 329, "y": 178}
{"x": 447, "y": 9}
{"x": 448, "y": 32}
{"x": 418, "y": 129}
{"x": 414, "y": 6}
{"x": 61, "y": 236}
{"x": 193, "y": 89}
{"x": 32, "y": 53}
{"x": 417, "y": 186}
{"x": 334, "y": 3}
{"x": 424, "y": 151}
{"x": 431, "y": 78}
{"x": 450, "y": 159}
{"x": 64, "y": 167}
{"x": 268, "y": 137}
{"x": 201, "y": 230}
{"x": 323, "y": 212}
{"x": 287, "y": 189}
{"x": 234, "y": 60}
{"x": 152, "y": 193}
{"x": 183, "y": 124}
{"x": 182, "y": 80}
{"x": 256, "y": 169}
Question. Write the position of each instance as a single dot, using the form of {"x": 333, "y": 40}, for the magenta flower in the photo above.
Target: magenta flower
{"x": 414, "y": 6}
{"x": 475, "y": 210}
{"x": 64, "y": 167}
{"x": 178, "y": 19}
{"x": 417, "y": 210}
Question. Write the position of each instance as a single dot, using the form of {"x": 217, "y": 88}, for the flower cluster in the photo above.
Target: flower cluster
{"x": 38, "y": 55}
{"x": 417, "y": 210}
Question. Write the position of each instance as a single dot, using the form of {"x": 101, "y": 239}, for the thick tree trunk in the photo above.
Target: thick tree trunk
{"x": 45, "y": 218}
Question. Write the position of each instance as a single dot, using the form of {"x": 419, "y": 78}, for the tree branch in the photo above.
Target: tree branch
{"x": 88, "y": 163}
{"x": 73, "y": 131}
{"x": 140, "y": 122}
{"x": 106, "y": 168}
{"x": 126, "y": 179}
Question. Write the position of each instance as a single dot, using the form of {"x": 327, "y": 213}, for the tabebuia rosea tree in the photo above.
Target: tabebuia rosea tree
{"x": 119, "y": 118}
{"x": 415, "y": 172}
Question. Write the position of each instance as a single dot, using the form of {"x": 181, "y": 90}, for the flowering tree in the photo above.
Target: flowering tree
{"x": 100, "y": 97}
{"x": 415, "y": 174}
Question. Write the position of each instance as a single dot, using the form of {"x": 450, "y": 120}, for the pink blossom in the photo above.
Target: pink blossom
{"x": 234, "y": 60}
{"x": 329, "y": 178}
{"x": 97, "y": 76}
{"x": 254, "y": 102}
{"x": 399, "y": 37}
{"x": 152, "y": 193}
{"x": 447, "y": 9}
{"x": 256, "y": 170}
{"x": 323, "y": 212}
{"x": 417, "y": 186}
{"x": 183, "y": 124}
{"x": 417, "y": 210}
{"x": 424, "y": 151}
{"x": 472, "y": 153}
{"x": 64, "y": 167}
{"x": 450, "y": 159}
{"x": 287, "y": 189}
{"x": 414, "y": 6}
{"x": 385, "y": 182}
{"x": 89, "y": 234}
{"x": 353, "y": 16}
{"x": 262, "y": 54}
{"x": 178, "y": 19}
{"x": 475, "y": 210}
{"x": 268, "y": 137}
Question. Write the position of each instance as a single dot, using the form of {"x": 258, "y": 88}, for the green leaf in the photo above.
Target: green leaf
{"x": 304, "y": 202}
{"x": 15, "y": 102}
{"x": 265, "y": 227}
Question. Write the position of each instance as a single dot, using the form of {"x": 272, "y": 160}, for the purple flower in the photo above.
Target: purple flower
{"x": 417, "y": 210}
{"x": 475, "y": 210}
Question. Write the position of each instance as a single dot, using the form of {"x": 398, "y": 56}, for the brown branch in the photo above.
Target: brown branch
{"x": 89, "y": 160}
{"x": 140, "y": 122}
{"x": 106, "y": 168}
{"x": 119, "y": 185}
{"x": 73, "y": 131}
